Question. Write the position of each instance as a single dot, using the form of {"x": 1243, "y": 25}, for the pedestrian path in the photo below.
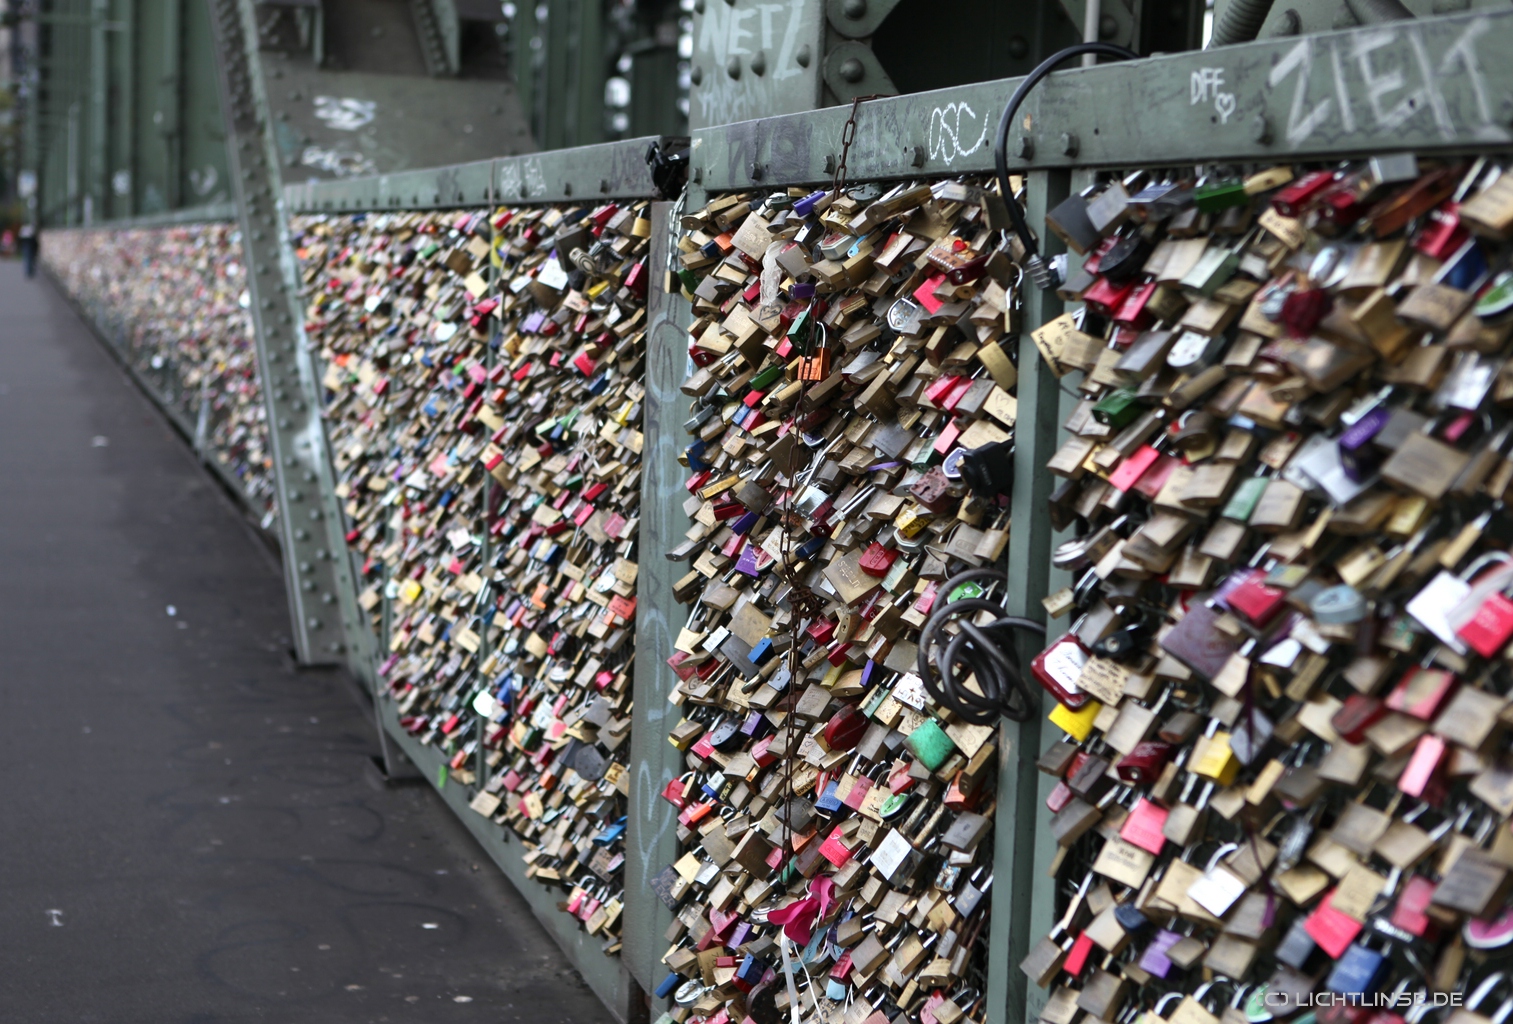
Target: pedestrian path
{"x": 190, "y": 829}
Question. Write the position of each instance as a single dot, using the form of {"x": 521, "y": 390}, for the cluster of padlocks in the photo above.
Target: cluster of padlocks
{"x": 481, "y": 374}
{"x": 852, "y": 422}
{"x": 174, "y": 302}
{"x": 1283, "y": 789}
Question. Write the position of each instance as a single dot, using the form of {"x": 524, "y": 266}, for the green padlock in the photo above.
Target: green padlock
{"x": 1220, "y": 196}
{"x": 1118, "y": 409}
{"x": 966, "y": 591}
{"x": 1242, "y": 503}
{"x": 767, "y": 377}
{"x": 930, "y": 745}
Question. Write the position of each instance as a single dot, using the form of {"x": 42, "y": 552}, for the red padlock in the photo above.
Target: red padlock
{"x": 1142, "y": 765}
{"x": 1058, "y": 668}
{"x": 1358, "y": 714}
{"x": 877, "y": 560}
{"x": 1490, "y": 629}
{"x": 1254, "y": 601}
{"x": 845, "y": 730}
{"x": 1143, "y": 826}
{"x": 1422, "y": 776}
{"x": 1411, "y": 912}
{"x": 1421, "y": 692}
{"x": 1332, "y": 929}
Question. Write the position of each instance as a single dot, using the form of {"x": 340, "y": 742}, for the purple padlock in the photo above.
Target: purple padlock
{"x": 1154, "y": 961}
{"x": 1357, "y": 454}
{"x": 805, "y": 206}
{"x": 747, "y": 563}
{"x": 755, "y": 727}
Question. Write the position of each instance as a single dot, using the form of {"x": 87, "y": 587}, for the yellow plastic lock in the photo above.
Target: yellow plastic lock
{"x": 1076, "y": 724}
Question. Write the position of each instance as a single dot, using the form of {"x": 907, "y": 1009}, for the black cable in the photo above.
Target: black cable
{"x": 987, "y": 652}
{"x": 1033, "y": 263}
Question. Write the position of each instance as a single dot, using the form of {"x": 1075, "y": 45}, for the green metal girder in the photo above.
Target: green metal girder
{"x": 316, "y": 572}
{"x": 755, "y": 59}
{"x": 611, "y": 170}
{"x": 1443, "y": 83}
{"x": 651, "y": 840}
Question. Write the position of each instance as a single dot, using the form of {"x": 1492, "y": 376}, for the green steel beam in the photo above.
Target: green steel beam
{"x": 1434, "y": 84}
{"x": 651, "y": 840}
{"x": 316, "y": 570}
{"x": 609, "y": 170}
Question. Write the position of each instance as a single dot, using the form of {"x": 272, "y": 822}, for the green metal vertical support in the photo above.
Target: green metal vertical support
{"x": 586, "y": 42}
{"x": 123, "y": 117}
{"x": 524, "y": 32}
{"x": 1013, "y": 924}
{"x": 99, "y": 111}
{"x": 572, "y": 80}
{"x": 170, "y": 103}
{"x": 1043, "y": 904}
{"x": 654, "y": 90}
{"x": 316, "y": 570}
{"x": 552, "y": 101}
{"x": 651, "y": 840}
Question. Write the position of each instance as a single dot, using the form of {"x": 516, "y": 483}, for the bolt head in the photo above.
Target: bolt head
{"x": 854, "y": 9}
{"x": 853, "y": 70}
{"x": 1069, "y": 144}
{"x": 696, "y": 75}
{"x": 1260, "y": 130}
{"x": 733, "y": 67}
{"x": 1024, "y": 147}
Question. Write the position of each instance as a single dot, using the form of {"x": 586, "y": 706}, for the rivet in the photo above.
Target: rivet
{"x": 853, "y": 70}
{"x": 1069, "y": 144}
{"x": 733, "y": 67}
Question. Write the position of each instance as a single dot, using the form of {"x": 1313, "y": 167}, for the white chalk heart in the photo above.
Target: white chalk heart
{"x": 1224, "y": 103}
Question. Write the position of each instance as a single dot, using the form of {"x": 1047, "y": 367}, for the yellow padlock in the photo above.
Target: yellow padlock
{"x": 1216, "y": 760}
{"x": 1076, "y": 724}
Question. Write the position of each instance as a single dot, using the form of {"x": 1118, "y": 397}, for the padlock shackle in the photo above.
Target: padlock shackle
{"x": 1001, "y": 143}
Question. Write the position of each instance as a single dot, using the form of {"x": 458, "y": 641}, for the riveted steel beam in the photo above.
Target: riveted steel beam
{"x": 315, "y": 569}
{"x": 1434, "y": 84}
{"x": 611, "y": 170}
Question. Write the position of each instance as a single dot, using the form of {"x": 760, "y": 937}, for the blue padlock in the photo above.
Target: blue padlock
{"x": 762, "y": 651}
{"x": 1358, "y": 971}
{"x": 829, "y": 802}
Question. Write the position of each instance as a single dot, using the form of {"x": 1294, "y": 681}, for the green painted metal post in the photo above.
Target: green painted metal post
{"x": 651, "y": 834}
{"x": 1011, "y": 929}
{"x": 99, "y": 112}
{"x": 1043, "y": 904}
{"x": 170, "y": 102}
